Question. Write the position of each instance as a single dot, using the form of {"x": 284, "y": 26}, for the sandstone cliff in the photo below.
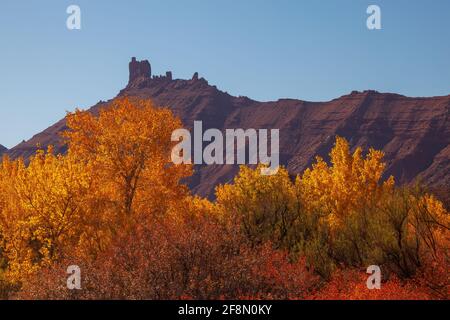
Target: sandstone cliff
{"x": 414, "y": 133}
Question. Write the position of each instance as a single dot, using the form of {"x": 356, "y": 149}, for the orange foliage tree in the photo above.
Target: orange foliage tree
{"x": 117, "y": 172}
{"x": 116, "y": 206}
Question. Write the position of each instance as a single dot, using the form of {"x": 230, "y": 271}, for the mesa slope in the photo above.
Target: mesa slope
{"x": 414, "y": 133}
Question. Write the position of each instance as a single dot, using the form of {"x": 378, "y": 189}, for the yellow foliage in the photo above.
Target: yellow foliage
{"x": 117, "y": 173}
{"x": 350, "y": 182}
{"x": 128, "y": 146}
{"x": 338, "y": 213}
{"x": 45, "y": 210}
{"x": 117, "y": 179}
{"x": 264, "y": 204}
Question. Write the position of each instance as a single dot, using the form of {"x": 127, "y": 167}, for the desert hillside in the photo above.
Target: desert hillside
{"x": 414, "y": 133}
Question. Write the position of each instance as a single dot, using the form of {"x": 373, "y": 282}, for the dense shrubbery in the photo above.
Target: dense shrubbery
{"x": 114, "y": 206}
{"x": 341, "y": 216}
{"x": 191, "y": 257}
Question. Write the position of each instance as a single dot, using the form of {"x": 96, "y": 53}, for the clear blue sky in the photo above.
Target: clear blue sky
{"x": 311, "y": 50}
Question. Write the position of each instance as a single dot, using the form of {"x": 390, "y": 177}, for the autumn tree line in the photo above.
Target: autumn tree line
{"x": 116, "y": 206}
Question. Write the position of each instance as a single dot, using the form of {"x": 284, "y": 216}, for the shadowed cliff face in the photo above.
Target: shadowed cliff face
{"x": 414, "y": 133}
{"x": 2, "y": 150}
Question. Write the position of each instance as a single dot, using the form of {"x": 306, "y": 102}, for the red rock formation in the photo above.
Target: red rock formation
{"x": 139, "y": 70}
{"x": 413, "y": 132}
{"x": 2, "y": 150}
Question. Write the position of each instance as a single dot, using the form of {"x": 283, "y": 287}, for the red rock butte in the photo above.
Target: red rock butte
{"x": 414, "y": 133}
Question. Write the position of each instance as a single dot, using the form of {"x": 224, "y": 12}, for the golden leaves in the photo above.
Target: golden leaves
{"x": 349, "y": 183}
{"x": 116, "y": 173}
